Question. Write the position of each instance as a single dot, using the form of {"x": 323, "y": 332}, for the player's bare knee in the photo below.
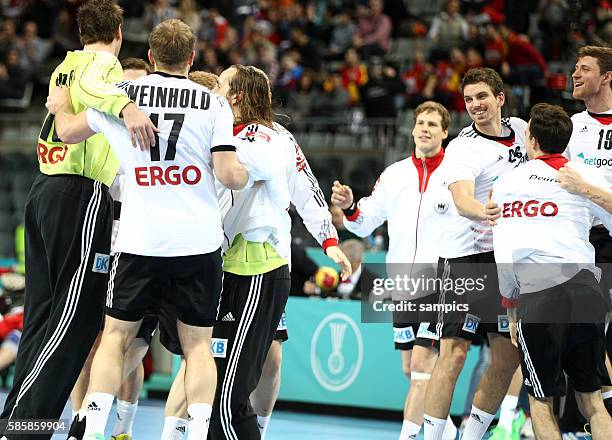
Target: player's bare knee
{"x": 453, "y": 356}
{"x": 590, "y": 403}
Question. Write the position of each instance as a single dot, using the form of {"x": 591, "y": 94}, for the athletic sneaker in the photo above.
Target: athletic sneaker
{"x": 527, "y": 430}
{"x": 501, "y": 433}
{"x": 121, "y": 437}
{"x": 77, "y": 429}
{"x": 520, "y": 418}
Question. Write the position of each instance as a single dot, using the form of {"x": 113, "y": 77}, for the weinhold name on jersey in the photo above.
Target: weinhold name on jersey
{"x": 52, "y": 155}
{"x": 167, "y": 97}
{"x": 531, "y": 208}
{"x": 172, "y": 175}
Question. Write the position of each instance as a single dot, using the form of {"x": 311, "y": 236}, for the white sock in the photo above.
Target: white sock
{"x": 508, "y": 409}
{"x": 125, "y": 417}
{"x": 477, "y": 424}
{"x": 434, "y": 427}
{"x": 174, "y": 428}
{"x": 98, "y": 407}
{"x": 199, "y": 419}
{"x": 606, "y": 395}
{"x": 450, "y": 430}
{"x": 262, "y": 424}
{"x": 410, "y": 430}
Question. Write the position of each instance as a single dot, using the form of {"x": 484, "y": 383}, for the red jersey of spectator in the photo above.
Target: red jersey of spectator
{"x": 11, "y": 321}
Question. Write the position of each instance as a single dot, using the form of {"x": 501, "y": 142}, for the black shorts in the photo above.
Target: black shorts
{"x": 410, "y": 330}
{"x": 471, "y": 309}
{"x": 139, "y": 284}
{"x": 557, "y": 334}
{"x": 281, "y": 331}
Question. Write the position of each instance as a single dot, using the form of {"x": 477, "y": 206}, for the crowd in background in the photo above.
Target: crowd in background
{"x": 326, "y": 56}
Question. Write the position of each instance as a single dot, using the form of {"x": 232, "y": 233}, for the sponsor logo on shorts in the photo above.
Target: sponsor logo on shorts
{"x": 282, "y": 324}
{"x": 228, "y": 318}
{"x": 101, "y": 262}
{"x": 527, "y": 382}
{"x": 403, "y": 335}
{"x": 471, "y": 323}
{"x": 218, "y": 347}
{"x": 424, "y": 332}
{"x": 503, "y": 323}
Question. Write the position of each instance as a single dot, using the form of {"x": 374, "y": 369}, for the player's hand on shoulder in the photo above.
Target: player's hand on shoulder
{"x": 571, "y": 180}
{"x": 342, "y": 195}
{"x": 142, "y": 130}
{"x": 58, "y": 100}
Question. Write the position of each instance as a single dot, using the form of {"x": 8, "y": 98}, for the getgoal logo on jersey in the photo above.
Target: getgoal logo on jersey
{"x": 597, "y": 162}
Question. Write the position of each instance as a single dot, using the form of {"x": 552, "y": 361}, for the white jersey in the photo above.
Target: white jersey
{"x": 170, "y": 207}
{"x": 591, "y": 141}
{"x": 411, "y": 196}
{"x": 482, "y": 159}
{"x": 282, "y": 176}
{"x": 541, "y": 223}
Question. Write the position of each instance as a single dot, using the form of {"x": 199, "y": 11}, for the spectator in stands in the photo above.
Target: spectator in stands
{"x": 553, "y": 23}
{"x": 334, "y": 99}
{"x": 303, "y": 99}
{"x": 473, "y": 58}
{"x": 13, "y": 77}
{"x": 448, "y": 29}
{"x": 230, "y": 42}
{"x": 354, "y": 75}
{"x": 342, "y": 32}
{"x": 219, "y": 23}
{"x": 361, "y": 281}
{"x": 443, "y": 85}
{"x": 496, "y": 48}
{"x": 65, "y": 33}
{"x": 255, "y": 36}
{"x": 157, "y": 12}
{"x": 265, "y": 59}
{"x": 379, "y": 93}
{"x": 310, "y": 54}
{"x": 188, "y": 12}
{"x": 209, "y": 61}
{"x": 525, "y": 64}
{"x": 32, "y": 49}
{"x": 290, "y": 74}
{"x": 8, "y": 39}
{"x": 373, "y": 35}
{"x": 415, "y": 79}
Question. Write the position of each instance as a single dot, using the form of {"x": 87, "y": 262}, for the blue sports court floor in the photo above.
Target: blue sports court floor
{"x": 283, "y": 426}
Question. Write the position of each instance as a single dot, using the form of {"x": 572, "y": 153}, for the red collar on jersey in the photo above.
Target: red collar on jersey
{"x": 554, "y": 160}
{"x": 238, "y": 128}
{"x": 602, "y": 118}
{"x": 431, "y": 163}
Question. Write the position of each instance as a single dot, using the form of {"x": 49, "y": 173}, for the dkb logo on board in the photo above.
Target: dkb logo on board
{"x": 336, "y": 352}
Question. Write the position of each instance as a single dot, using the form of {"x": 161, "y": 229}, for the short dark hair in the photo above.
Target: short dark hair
{"x": 551, "y": 126}
{"x": 603, "y": 55}
{"x": 484, "y": 75}
{"x": 99, "y": 21}
{"x": 136, "y": 64}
